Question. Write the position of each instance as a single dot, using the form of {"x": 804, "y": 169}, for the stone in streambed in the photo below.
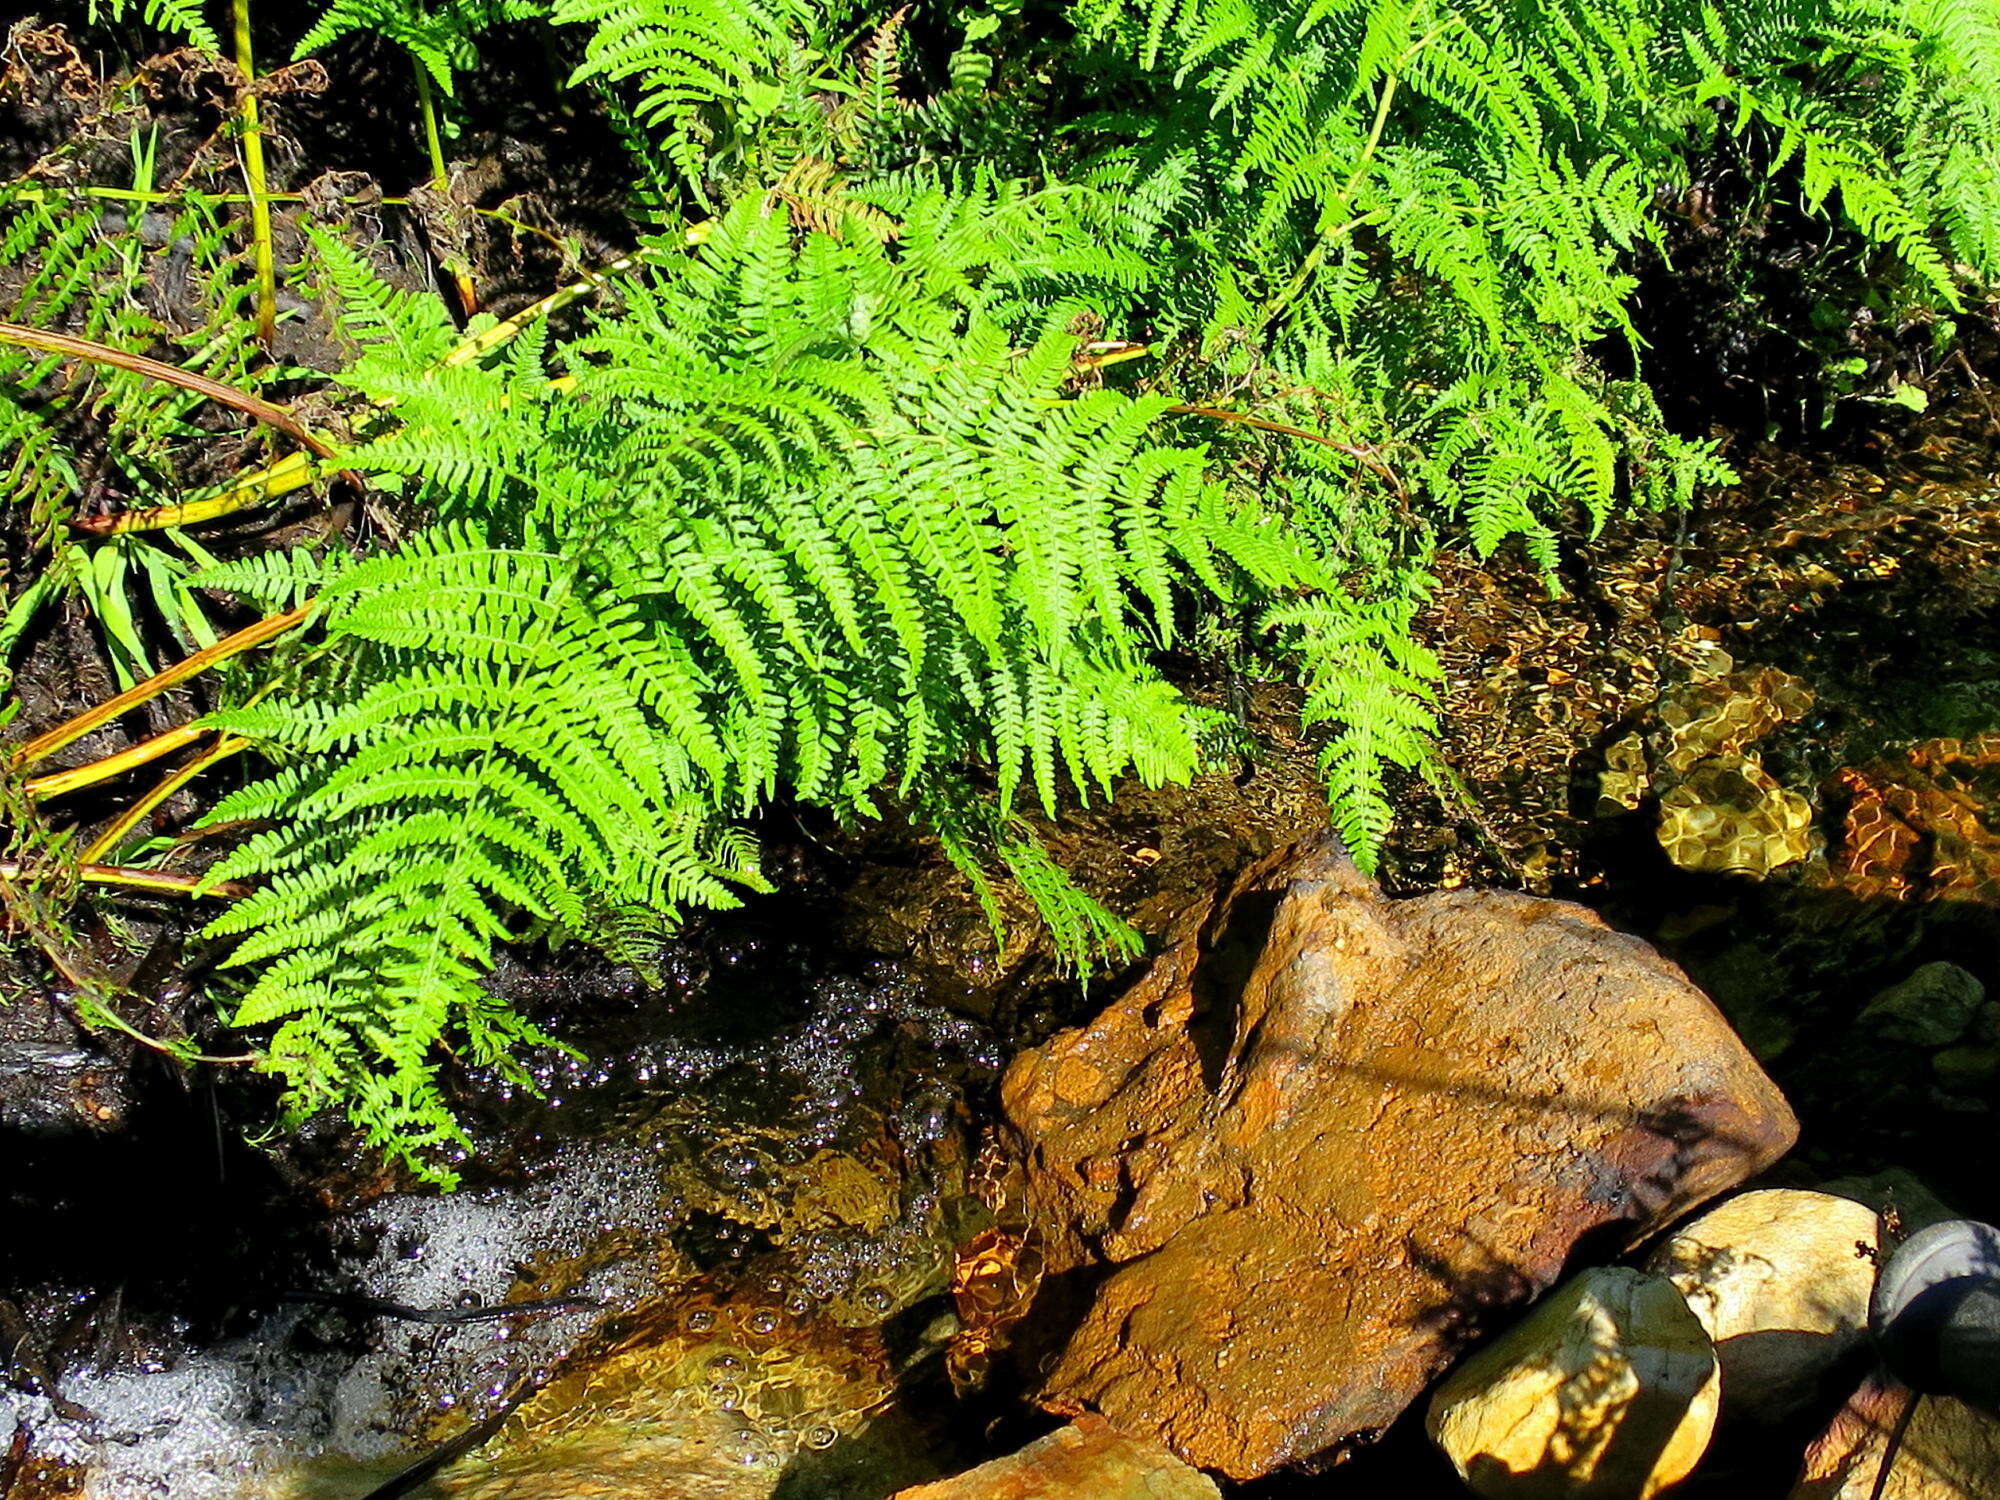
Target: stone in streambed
{"x": 1083, "y": 1461}
{"x": 1935, "y": 1313}
{"x": 1285, "y": 1176}
{"x": 1948, "y": 1451}
{"x": 1781, "y": 1280}
{"x": 1934, "y": 1007}
{"x": 1607, "y": 1391}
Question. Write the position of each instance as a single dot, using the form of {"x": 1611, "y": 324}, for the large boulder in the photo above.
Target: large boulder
{"x": 1083, "y": 1461}
{"x": 1608, "y": 1390}
{"x": 1291, "y": 1171}
{"x": 1781, "y": 1280}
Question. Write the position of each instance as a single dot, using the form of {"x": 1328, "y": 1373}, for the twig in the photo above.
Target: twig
{"x": 1895, "y": 1444}
{"x": 409, "y": 1479}
{"x": 408, "y": 1314}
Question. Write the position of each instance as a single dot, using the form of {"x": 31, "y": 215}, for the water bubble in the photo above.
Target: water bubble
{"x": 701, "y": 1320}
{"x": 876, "y": 1299}
{"x": 723, "y": 1364}
{"x": 821, "y": 1435}
{"x": 763, "y": 1321}
{"x": 728, "y": 1395}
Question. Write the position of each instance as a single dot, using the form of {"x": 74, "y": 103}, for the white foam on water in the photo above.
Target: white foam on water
{"x": 229, "y": 1421}
{"x": 219, "y": 1425}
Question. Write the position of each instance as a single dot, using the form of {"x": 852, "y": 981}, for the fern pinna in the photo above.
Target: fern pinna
{"x": 1422, "y": 213}
{"x": 800, "y": 516}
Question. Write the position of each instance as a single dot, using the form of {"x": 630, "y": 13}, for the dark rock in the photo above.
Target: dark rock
{"x": 55, "y": 1079}
{"x": 1934, "y": 1007}
{"x": 1936, "y": 1312}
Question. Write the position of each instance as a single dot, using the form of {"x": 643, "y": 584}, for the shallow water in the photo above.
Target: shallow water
{"x": 812, "y": 1160}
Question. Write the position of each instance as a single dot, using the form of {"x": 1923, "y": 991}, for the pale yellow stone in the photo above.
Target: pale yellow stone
{"x": 1780, "y": 1279}
{"x": 1948, "y": 1450}
{"x": 1607, "y": 1391}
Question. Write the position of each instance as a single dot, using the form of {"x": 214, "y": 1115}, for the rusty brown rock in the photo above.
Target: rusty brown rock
{"x": 1086, "y": 1460}
{"x": 1327, "y": 1133}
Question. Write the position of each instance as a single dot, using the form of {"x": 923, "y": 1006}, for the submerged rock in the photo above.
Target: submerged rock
{"x": 1917, "y": 826}
{"x": 1327, "y": 1134}
{"x": 1934, "y": 1007}
{"x": 1729, "y": 817}
{"x": 1608, "y": 1391}
{"x": 1085, "y": 1459}
{"x": 1947, "y": 1451}
{"x": 1780, "y": 1279}
{"x": 702, "y": 1399}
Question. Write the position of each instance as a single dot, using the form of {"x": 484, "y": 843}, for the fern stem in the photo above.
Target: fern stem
{"x": 481, "y": 344}
{"x": 433, "y": 143}
{"x": 246, "y": 639}
{"x": 254, "y": 177}
{"x": 102, "y": 1015}
{"x": 72, "y": 347}
{"x": 461, "y": 275}
{"x": 60, "y": 783}
{"x": 173, "y": 781}
{"x": 145, "y": 880}
{"x": 1363, "y": 456}
{"x": 521, "y": 226}
{"x": 293, "y": 472}
{"x": 1316, "y": 256}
